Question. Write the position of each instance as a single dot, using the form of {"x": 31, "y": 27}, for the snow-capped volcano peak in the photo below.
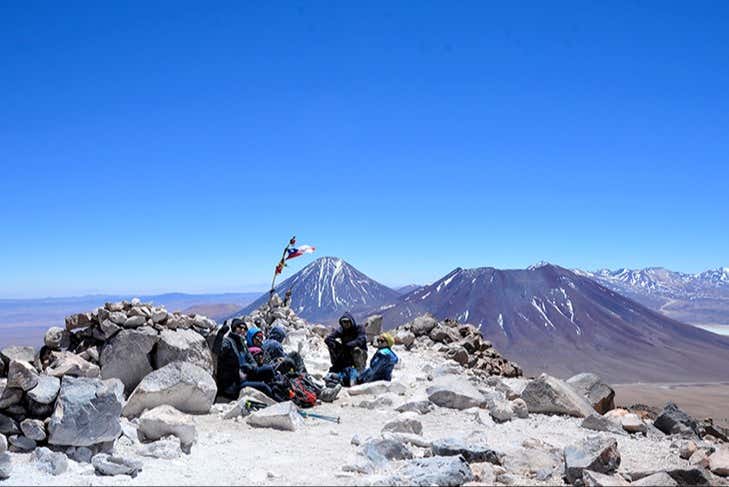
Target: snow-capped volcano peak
{"x": 328, "y": 287}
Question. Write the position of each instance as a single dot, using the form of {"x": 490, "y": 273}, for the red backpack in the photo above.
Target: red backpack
{"x": 302, "y": 393}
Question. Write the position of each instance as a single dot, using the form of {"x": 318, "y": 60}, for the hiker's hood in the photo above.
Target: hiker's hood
{"x": 252, "y": 331}
{"x": 277, "y": 333}
{"x": 351, "y": 318}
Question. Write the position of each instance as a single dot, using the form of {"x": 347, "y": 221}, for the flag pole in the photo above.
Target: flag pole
{"x": 279, "y": 267}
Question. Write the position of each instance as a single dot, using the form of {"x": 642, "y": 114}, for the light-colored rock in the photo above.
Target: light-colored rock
{"x": 659, "y": 479}
{"x": 22, "y": 375}
{"x": 46, "y": 391}
{"x": 699, "y": 458}
{"x": 409, "y": 438}
{"x": 377, "y": 387}
{"x": 186, "y": 387}
{"x": 282, "y": 416}
{"x": 183, "y": 346}
{"x": 373, "y": 326}
{"x": 596, "y": 453}
{"x": 164, "y": 421}
{"x": 50, "y": 462}
{"x": 405, "y": 423}
{"x": 126, "y": 356}
{"x": 404, "y": 337}
{"x": 86, "y": 413}
{"x": 455, "y": 393}
{"x": 535, "y": 460}
{"x": 134, "y": 321}
{"x": 422, "y": 325}
{"x": 57, "y": 338}
{"x": 597, "y": 422}
{"x": 443, "y": 471}
{"x": 686, "y": 449}
{"x": 592, "y": 388}
{"x": 106, "y": 464}
{"x": 549, "y": 395}
{"x": 596, "y": 479}
{"x": 379, "y": 402}
{"x": 33, "y": 429}
{"x": 67, "y": 363}
{"x": 632, "y": 423}
{"x": 719, "y": 462}
{"x": 520, "y": 408}
{"x": 501, "y": 410}
{"x": 24, "y": 354}
{"x": 418, "y": 403}
{"x": 167, "y": 448}
{"x": 6, "y": 466}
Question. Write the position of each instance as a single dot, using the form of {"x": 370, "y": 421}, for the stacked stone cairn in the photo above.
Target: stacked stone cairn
{"x": 462, "y": 343}
{"x": 122, "y": 360}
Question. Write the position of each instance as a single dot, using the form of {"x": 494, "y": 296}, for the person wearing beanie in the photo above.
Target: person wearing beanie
{"x": 382, "y": 362}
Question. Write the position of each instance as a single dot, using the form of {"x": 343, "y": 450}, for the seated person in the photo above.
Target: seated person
{"x": 237, "y": 368}
{"x": 257, "y": 355}
{"x": 274, "y": 353}
{"x": 382, "y": 362}
{"x": 347, "y": 345}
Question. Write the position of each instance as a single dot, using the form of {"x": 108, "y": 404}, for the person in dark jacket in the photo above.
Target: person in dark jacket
{"x": 382, "y": 362}
{"x": 274, "y": 352}
{"x": 237, "y": 368}
{"x": 347, "y": 345}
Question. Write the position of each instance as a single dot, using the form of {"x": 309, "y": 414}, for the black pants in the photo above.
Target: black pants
{"x": 341, "y": 356}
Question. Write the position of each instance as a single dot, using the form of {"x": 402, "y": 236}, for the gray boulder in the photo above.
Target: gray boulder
{"x": 282, "y": 416}
{"x": 404, "y": 337}
{"x": 658, "y": 479}
{"x": 87, "y": 412}
{"x": 596, "y": 479}
{"x": 9, "y": 396}
{"x": 106, "y": 464}
{"x": 440, "y": 471}
{"x": 632, "y": 423}
{"x": 186, "y": 387}
{"x": 596, "y": 453}
{"x": 472, "y": 452}
{"x": 22, "y": 375}
{"x": 405, "y": 423}
{"x": 597, "y": 422}
{"x": 164, "y": 421}
{"x": 126, "y": 356}
{"x": 79, "y": 454}
{"x": 67, "y": 363}
{"x": 167, "y": 448}
{"x": 79, "y": 320}
{"x": 57, "y": 338}
{"x": 444, "y": 334}
{"x": 134, "y": 321}
{"x": 25, "y": 354}
{"x": 520, "y": 408}
{"x": 454, "y": 392}
{"x": 8, "y": 426}
{"x": 3, "y": 444}
{"x": 6, "y": 466}
{"x": 592, "y": 388}
{"x": 422, "y": 325}
{"x": 183, "y": 346}
{"x": 549, "y": 395}
{"x": 33, "y": 429}
{"x": 109, "y": 328}
{"x": 377, "y": 388}
{"x": 22, "y": 443}
{"x": 118, "y": 317}
{"x": 719, "y": 462}
{"x": 50, "y": 462}
{"x": 501, "y": 410}
{"x": 380, "y": 451}
{"x": 373, "y": 326}
{"x": 46, "y": 391}
{"x": 673, "y": 420}
{"x": 417, "y": 403}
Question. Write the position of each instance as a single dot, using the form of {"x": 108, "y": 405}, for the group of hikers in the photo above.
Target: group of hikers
{"x": 248, "y": 358}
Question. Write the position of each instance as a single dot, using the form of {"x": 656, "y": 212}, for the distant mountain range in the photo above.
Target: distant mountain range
{"x": 550, "y": 318}
{"x": 701, "y": 299}
{"x": 326, "y": 288}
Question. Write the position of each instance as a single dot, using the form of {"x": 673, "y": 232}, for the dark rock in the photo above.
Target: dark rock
{"x": 597, "y": 422}
{"x": 473, "y": 453}
{"x": 673, "y": 420}
{"x": 549, "y": 395}
{"x": 595, "y": 453}
{"x": 597, "y": 392}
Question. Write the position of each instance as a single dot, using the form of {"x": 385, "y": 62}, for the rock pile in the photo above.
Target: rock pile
{"x": 462, "y": 343}
{"x": 71, "y": 394}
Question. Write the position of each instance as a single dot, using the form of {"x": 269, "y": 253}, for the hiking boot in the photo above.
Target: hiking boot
{"x": 359, "y": 357}
{"x": 329, "y": 394}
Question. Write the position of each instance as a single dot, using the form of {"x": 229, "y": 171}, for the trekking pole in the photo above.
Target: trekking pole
{"x": 333, "y": 419}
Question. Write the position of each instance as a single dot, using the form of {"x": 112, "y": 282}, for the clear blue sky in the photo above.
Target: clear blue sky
{"x": 175, "y": 146}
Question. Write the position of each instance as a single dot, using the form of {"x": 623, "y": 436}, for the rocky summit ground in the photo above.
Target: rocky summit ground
{"x": 436, "y": 423}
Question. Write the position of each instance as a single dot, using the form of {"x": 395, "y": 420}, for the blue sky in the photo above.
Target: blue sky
{"x": 175, "y": 146}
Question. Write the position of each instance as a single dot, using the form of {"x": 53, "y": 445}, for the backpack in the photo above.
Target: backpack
{"x": 303, "y": 392}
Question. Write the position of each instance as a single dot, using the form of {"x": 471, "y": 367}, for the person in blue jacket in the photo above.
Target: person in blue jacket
{"x": 274, "y": 353}
{"x": 347, "y": 345}
{"x": 382, "y": 362}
